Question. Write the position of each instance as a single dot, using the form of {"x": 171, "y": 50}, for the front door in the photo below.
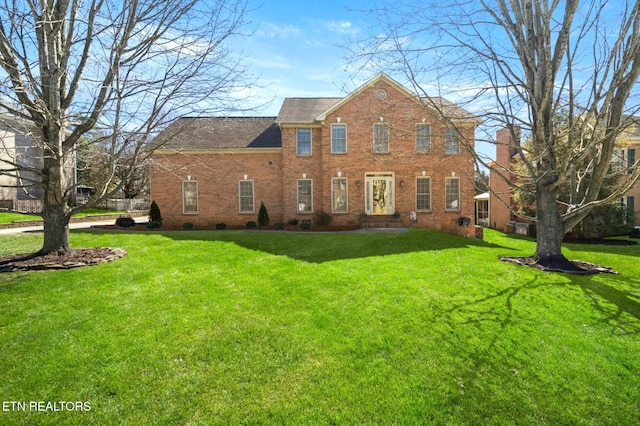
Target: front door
{"x": 379, "y": 194}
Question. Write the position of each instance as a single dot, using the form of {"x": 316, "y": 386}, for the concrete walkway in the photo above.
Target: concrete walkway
{"x": 73, "y": 225}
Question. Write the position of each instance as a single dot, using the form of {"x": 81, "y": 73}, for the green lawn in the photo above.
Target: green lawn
{"x": 237, "y": 327}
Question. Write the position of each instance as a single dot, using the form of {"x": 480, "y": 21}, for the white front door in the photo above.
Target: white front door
{"x": 379, "y": 194}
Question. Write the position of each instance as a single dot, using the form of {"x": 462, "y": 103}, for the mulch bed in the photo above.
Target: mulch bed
{"x": 76, "y": 258}
{"x": 580, "y": 267}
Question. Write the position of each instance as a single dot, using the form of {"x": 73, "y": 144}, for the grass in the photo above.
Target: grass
{"x": 10, "y": 217}
{"x": 291, "y": 328}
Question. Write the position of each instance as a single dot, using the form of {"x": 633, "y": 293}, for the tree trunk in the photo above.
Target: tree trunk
{"x": 56, "y": 229}
{"x": 55, "y": 208}
{"x": 550, "y": 233}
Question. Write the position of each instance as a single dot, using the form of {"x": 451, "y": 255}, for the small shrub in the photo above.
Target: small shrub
{"x": 154, "y": 213}
{"x": 635, "y": 233}
{"x": 153, "y": 224}
{"x": 263, "y": 216}
{"x": 323, "y": 218}
{"x": 221, "y": 226}
{"x": 187, "y": 225}
{"x": 125, "y": 221}
{"x": 279, "y": 226}
{"x": 292, "y": 222}
{"x": 305, "y": 225}
{"x": 251, "y": 224}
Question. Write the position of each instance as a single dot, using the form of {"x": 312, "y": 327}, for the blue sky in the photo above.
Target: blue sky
{"x": 295, "y": 47}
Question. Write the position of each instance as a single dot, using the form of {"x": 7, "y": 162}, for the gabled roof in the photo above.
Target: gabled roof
{"x": 304, "y": 110}
{"x": 207, "y": 133}
{"x": 309, "y": 110}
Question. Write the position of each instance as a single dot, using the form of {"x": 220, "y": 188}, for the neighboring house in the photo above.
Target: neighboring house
{"x": 379, "y": 152}
{"x": 501, "y": 204}
{"x": 20, "y": 159}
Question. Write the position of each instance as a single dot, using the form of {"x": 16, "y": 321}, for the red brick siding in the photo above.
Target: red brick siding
{"x": 217, "y": 176}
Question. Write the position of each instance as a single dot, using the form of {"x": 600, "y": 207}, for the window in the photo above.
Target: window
{"x": 190, "y": 197}
{"x": 623, "y": 159}
{"x": 452, "y": 194}
{"x": 338, "y": 138}
{"x": 245, "y": 196}
{"x": 423, "y": 138}
{"x": 380, "y": 138}
{"x": 305, "y": 196}
{"x": 452, "y": 141}
{"x": 423, "y": 194}
{"x": 339, "y": 200}
{"x": 303, "y": 141}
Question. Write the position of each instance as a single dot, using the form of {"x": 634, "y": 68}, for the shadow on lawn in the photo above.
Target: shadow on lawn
{"x": 325, "y": 247}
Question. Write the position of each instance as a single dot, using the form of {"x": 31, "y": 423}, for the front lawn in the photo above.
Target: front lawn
{"x": 247, "y": 327}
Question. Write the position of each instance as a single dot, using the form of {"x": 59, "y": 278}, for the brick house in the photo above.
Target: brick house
{"x": 502, "y": 205}
{"x": 380, "y": 152}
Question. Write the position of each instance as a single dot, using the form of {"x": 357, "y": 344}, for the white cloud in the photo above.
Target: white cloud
{"x": 268, "y": 30}
{"x": 342, "y": 27}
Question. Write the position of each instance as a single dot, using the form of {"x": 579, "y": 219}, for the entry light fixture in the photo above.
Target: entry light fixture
{"x": 245, "y": 177}
{"x": 338, "y": 119}
{"x": 304, "y": 176}
{"x": 188, "y": 177}
{"x": 339, "y": 172}
{"x": 401, "y": 184}
{"x": 424, "y": 173}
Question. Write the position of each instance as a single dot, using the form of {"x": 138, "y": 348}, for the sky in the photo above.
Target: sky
{"x": 296, "y": 47}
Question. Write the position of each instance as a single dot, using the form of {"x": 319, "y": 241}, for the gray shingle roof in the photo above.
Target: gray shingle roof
{"x": 206, "y": 133}
{"x": 304, "y": 110}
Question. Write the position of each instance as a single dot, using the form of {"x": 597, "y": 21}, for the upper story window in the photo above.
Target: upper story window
{"x": 452, "y": 141}
{"x": 190, "y": 197}
{"x": 338, "y": 138}
{"x": 245, "y": 196}
{"x": 380, "y": 138}
{"x": 303, "y": 141}
{"x": 423, "y": 138}
{"x": 623, "y": 159}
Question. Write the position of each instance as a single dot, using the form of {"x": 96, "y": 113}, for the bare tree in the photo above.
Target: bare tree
{"x": 519, "y": 64}
{"x": 119, "y": 68}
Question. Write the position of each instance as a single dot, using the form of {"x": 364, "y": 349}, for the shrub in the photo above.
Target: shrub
{"x": 263, "y": 216}
{"x": 125, "y": 221}
{"x": 305, "y": 225}
{"x": 154, "y": 224}
{"x": 187, "y": 225}
{"x": 251, "y": 224}
{"x": 279, "y": 226}
{"x": 221, "y": 226}
{"x": 323, "y": 218}
{"x": 154, "y": 213}
{"x": 292, "y": 222}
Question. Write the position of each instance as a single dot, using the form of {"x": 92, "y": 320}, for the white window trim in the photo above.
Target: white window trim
{"x": 427, "y": 151}
{"x": 310, "y": 142}
{"x": 184, "y": 205}
{"x": 384, "y": 125}
{"x": 346, "y": 145}
{"x": 430, "y": 194}
{"x": 253, "y": 197}
{"x": 457, "y": 135}
{"x": 446, "y": 186}
{"x": 346, "y": 182}
{"x": 310, "y": 211}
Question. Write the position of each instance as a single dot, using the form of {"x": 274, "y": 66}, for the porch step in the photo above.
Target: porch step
{"x": 383, "y": 221}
